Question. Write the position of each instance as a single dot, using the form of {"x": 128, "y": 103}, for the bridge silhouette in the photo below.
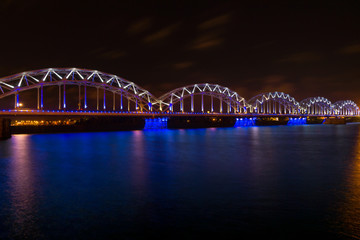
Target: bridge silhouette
{"x": 100, "y": 93}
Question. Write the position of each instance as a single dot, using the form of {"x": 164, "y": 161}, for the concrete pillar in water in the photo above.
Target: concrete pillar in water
{"x": 5, "y": 132}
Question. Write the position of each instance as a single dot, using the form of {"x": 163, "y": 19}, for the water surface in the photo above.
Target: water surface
{"x": 281, "y": 182}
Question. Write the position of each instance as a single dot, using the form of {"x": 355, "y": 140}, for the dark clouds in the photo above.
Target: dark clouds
{"x": 304, "y": 48}
{"x": 302, "y": 57}
{"x": 351, "y": 49}
{"x": 182, "y": 65}
{"x": 160, "y": 34}
{"x": 139, "y": 26}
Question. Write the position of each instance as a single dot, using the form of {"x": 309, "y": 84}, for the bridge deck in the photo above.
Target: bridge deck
{"x": 144, "y": 114}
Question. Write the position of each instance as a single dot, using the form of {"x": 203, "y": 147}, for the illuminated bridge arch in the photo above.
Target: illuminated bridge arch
{"x": 138, "y": 97}
{"x": 317, "y": 106}
{"x": 174, "y": 100}
{"x": 274, "y": 103}
{"x": 346, "y": 107}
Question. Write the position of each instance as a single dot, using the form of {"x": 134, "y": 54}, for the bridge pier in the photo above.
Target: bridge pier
{"x": 270, "y": 121}
{"x": 334, "y": 120}
{"x": 183, "y": 122}
{"x": 315, "y": 120}
{"x": 5, "y": 132}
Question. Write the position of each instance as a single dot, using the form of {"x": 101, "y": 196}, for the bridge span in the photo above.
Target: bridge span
{"x": 20, "y": 112}
{"x": 71, "y": 89}
{"x": 76, "y": 92}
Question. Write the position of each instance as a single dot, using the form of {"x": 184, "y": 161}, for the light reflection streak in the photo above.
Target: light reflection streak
{"x": 22, "y": 188}
{"x": 349, "y": 223}
{"x": 139, "y": 165}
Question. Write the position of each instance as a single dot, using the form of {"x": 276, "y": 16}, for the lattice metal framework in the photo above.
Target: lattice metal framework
{"x": 235, "y": 103}
{"x": 346, "y": 107}
{"x": 317, "y": 106}
{"x": 75, "y": 76}
{"x": 274, "y": 103}
{"x": 266, "y": 103}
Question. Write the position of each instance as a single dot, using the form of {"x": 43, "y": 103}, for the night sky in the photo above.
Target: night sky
{"x": 302, "y": 48}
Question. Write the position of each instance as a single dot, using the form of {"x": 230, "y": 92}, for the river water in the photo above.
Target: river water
{"x": 279, "y": 182}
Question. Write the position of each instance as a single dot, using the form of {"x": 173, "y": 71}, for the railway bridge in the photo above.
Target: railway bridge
{"x": 79, "y": 93}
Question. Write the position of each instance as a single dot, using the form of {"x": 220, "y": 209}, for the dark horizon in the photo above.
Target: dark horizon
{"x": 304, "y": 49}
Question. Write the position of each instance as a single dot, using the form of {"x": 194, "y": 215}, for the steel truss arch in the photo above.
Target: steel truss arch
{"x": 317, "y": 106}
{"x": 234, "y": 101}
{"x": 75, "y": 76}
{"x": 274, "y": 103}
{"x": 266, "y": 103}
{"x": 346, "y": 107}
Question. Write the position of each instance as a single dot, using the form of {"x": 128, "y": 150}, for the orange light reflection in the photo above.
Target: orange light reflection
{"x": 22, "y": 188}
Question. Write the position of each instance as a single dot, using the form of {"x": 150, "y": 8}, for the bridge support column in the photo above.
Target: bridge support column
{"x": 16, "y": 104}
{"x": 128, "y": 105}
{"x": 192, "y": 103}
{"x": 280, "y": 108}
{"x": 202, "y": 102}
{"x": 64, "y": 97}
{"x": 114, "y": 98}
{"x": 85, "y": 104}
{"x": 212, "y": 104}
{"x": 171, "y": 104}
{"x": 104, "y": 99}
{"x": 221, "y": 105}
{"x": 38, "y": 98}
{"x": 42, "y": 97}
{"x": 182, "y": 105}
{"x": 79, "y": 104}
{"x": 274, "y": 107}
{"x": 121, "y": 101}
{"x": 97, "y": 98}
{"x": 59, "y": 97}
